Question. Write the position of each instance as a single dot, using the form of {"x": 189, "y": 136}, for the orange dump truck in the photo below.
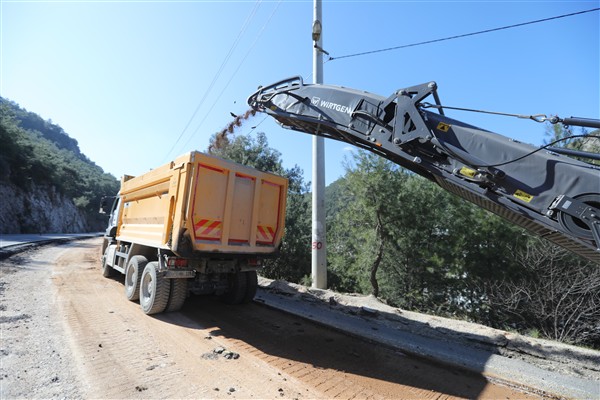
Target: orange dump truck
{"x": 198, "y": 224}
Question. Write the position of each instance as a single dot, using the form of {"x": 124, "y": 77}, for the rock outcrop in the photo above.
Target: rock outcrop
{"x": 38, "y": 209}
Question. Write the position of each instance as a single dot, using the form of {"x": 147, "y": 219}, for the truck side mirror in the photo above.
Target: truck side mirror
{"x": 105, "y": 203}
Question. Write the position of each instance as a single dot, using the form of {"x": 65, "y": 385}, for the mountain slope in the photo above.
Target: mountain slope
{"x": 53, "y": 186}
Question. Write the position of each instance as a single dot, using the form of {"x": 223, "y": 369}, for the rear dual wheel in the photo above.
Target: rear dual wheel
{"x": 158, "y": 294}
{"x": 242, "y": 288}
{"x": 177, "y": 295}
{"x": 252, "y": 285}
{"x": 154, "y": 290}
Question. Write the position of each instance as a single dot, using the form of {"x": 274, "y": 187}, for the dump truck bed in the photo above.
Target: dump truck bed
{"x": 205, "y": 204}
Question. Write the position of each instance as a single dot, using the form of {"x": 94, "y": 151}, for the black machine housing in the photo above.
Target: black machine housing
{"x": 552, "y": 195}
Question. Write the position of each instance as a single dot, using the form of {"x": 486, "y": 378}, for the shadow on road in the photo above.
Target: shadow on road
{"x": 299, "y": 341}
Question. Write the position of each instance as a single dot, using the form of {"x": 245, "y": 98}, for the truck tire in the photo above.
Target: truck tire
{"x": 107, "y": 270}
{"x": 236, "y": 292}
{"x": 178, "y": 294}
{"x": 251, "y": 286}
{"x": 133, "y": 276}
{"x": 154, "y": 290}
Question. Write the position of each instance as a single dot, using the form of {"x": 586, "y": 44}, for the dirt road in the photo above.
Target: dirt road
{"x": 69, "y": 332}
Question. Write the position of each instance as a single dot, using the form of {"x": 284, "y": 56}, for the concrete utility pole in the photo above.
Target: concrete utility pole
{"x": 319, "y": 244}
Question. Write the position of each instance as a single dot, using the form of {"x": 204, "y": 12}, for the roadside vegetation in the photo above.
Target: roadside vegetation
{"x": 403, "y": 239}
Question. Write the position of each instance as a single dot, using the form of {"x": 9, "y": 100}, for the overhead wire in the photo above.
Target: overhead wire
{"x": 331, "y": 58}
{"x": 260, "y": 32}
{"x": 218, "y": 73}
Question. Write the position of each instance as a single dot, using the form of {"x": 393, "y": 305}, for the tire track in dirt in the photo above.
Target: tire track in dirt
{"x": 337, "y": 366}
{"x": 126, "y": 354}
{"x": 123, "y": 353}
{"x": 34, "y": 357}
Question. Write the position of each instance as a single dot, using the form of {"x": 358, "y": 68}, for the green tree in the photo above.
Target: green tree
{"x": 392, "y": 235}
{"x": 590, "y": 143}
{"x": 364, "y": 223}
{"x": 401, "y": 237}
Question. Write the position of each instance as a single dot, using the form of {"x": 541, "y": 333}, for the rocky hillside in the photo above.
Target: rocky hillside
{"x": 39, "y": 210}
{"x": 46, "y": 184}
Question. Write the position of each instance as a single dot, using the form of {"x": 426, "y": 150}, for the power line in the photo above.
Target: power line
{"x": 461, "y": 36}
{"x": 218, "y": 74}
{"x": 234, "y": 72}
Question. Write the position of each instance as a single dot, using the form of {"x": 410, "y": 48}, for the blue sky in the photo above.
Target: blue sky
{"x": 124, "y": 78}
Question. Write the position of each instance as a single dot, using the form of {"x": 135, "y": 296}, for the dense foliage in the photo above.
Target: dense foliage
{"x": 403, "y": 239}
{"x": 40, "y": 152}
{"x": 407, "y": 241}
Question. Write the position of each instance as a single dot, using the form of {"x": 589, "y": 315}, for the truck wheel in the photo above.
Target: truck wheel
{"x": 251, "y": 286}
{"x": 154, "y": 290}
{"x": 178, "y": 294}
{"x": 107, "y": 270}
{"x": 133, "y": 276}
{"x": 237, "y": 288}
{"x": 105, "y": 243}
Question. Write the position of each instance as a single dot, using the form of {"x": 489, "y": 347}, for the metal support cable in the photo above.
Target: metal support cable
{"x": 553, "y": 119}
